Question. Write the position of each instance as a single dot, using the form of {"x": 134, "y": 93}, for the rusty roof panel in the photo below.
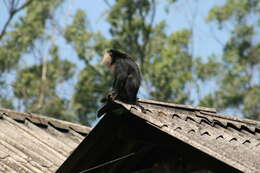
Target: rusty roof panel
{"x": 235, "y": 141}
{"x": 36, "y": 144}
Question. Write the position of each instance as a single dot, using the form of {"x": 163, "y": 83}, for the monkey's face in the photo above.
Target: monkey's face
{"x": 107, "y": 59}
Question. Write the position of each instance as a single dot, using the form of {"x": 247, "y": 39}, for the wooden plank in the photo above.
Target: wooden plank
{"x": 29, "y": 145}
{"x": 69, "y": 138}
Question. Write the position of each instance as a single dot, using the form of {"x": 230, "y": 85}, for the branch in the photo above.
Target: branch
{"x": 146, "y": 46}
{"x": 23, "y": 6}
{"x": 5, "y": 26}
{"x": 12, "y": 14}
{"x": 108, "y": 4}
{"x": 153, "y": 12}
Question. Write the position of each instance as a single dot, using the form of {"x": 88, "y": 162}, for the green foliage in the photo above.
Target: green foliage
{"x": 235, "y": 10}
{"x": 92, "y": 81}
{"x": 90, "y": 88}
{"x": 164, "y": 60}
{"x": 131, "y": 26}
{"x": 207, "y": 70}
{"x": 172, "y": 70}
{"x": 239, "y": 82}
{"x": 169, "y": 70}
{"x": 37, "y": 89}
{"x": 35, "y": 86}
{"x": 25, "y": 31}
{"x": 6, "y": 102}
{"x": 77, "y": 35}
{"x": 252, "y": 102}
{"x": 132, "y": 29}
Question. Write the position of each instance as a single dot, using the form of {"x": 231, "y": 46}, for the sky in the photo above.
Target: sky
{"x": 207, "y": 38}
{"x": 180, "y": 16}
{"x": 189, "y": 14}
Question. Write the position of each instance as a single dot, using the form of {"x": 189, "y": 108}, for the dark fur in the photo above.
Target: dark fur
{"x": 127, "y": 78}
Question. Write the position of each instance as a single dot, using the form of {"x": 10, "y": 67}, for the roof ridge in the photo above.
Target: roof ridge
{"x": 204, "y": 110}
{"x": 45, "y": 121}
{"x": 232, "y": 118}
{"x": 174, "y": 105}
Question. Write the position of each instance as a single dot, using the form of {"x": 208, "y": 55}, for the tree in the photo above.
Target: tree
{"x": 35, "y": 85}
{"x": 25, "y": 31}
{"x": 131, "y": 26}
{"x": 92, "y": 79}
{"x": 166, "y": 65}
{"x": 170, "y": 71}
{"x": 126, "y": 31}
{"x": 239, "y": 83}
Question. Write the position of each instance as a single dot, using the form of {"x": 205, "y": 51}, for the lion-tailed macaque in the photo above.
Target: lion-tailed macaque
{"x": 126, "y": 76}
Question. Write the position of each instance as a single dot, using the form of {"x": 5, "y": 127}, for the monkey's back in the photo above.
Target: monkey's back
{"x": 128, "y": 74}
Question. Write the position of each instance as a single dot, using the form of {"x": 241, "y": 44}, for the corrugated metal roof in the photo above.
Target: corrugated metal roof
{"x": 31, "y": 143}
{"x": 235, "y": 141}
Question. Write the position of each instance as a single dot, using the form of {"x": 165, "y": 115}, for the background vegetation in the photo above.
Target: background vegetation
{"x": 49, "y": 60}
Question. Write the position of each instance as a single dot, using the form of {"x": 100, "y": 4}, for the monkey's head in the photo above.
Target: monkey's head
{"x": 111, "y": 56}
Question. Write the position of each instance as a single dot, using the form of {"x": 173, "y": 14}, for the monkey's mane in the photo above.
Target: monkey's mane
{"x": 119, "y": 54}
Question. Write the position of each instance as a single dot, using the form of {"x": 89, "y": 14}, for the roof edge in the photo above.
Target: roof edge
{"x": 233, "y": 118}
{"x": 250, "y": 122}
{"x": 45, "y": 121}
{"x": 197, "y": 108}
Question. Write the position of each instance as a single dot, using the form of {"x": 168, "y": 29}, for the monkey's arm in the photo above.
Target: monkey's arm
{"x": 105, "y": 108}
